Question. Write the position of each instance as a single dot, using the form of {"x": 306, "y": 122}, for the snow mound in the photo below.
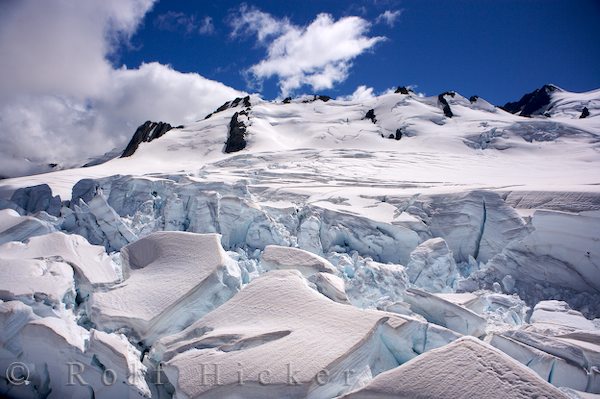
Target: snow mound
{"x": 14, "y": 227}
{"x": 275, "y": 257}
{"x": 445, "y": 313}
{"x": 171, "y": 280}
{"x": 283, "y": 339}
{"x": 465, "y": 368}
{"x": 36, "y": 280}
{"x": 93, "y": 267}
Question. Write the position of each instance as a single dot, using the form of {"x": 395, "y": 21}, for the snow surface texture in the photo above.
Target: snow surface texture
{"x": 171, "y": 279}
{"x": 334, "y": 247}
{"x": 467, "y": 368}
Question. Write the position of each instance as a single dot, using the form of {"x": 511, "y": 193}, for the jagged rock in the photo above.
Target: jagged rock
{"x": 37, "y": 198}
{"x": 445, "y": 105}
{"x": 398, "y": 134}
{"x": 318, "y": 97}
{"x": 236, "y": 140}
{"x": 473, "y": 99}
{"x": 232, "y": 104}
{"x": 584, "y": 113}
{"x": 403, "y": 90}
{"x": 371, "y": 115}
{"x": 145, "y": 133}
{"x": 287, "y": 100}
{"x": 534, "y": 103}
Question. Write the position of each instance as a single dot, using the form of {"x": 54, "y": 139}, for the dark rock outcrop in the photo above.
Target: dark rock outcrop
{"x": 371, "y": 115}
{"x": 287, "y": 100}
{"x": 398, "y": 134}
{"x": 403, "y": 90}
{"x": 245, "y": 101}
{"x": 37, "y": 198}
{"x": 144, "y": 134}
{"x": 236, "y": 140}
{"x": 444, "y": 103}
{"x": 584, "y": 113}
{"x": 473, "y": 99}
{"x": 534, "y": 103}
{"x": 318, "y": 97}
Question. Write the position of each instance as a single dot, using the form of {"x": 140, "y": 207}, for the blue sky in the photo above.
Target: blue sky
{"x": 496, "y": 49}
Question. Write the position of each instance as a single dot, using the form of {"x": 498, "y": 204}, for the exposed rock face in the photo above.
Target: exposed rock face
{"x": 371, "y": 115}
{"x": 287, "y": 100}
{"x": 245, "y": 101}
{"x": 444, "y": 103}
{"x": 403, "y": 90}
{"x": 236, "y": 141}
{"x": 473, "y": 99}
{"x": 534, "y": 103}
{"x": 37, "y": 198}
{"x": 318, "y": 97}
{"x": 585, "y": 113}
{"x": 145, "y": 133}
{"x": 398, "y": 134}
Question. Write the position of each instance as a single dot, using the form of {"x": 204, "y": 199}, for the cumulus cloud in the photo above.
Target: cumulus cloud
{"x": 361, "y": 93}
{"x": 318, "y": 55}
{"x": 388, "y": 17}
{"x": 61, "y": 101}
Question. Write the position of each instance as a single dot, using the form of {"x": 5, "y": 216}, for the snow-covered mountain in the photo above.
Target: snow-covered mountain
{"x": 316, "y": 248}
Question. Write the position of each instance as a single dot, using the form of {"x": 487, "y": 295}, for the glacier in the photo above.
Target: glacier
{"x": 326, "y": 257}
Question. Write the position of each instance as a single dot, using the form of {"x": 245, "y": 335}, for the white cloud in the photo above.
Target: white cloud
{"x": 388, "y": 17}
{"x": 318, "y": 55}
{"x": 177, "y": 21}
{"x": 61, "y": 101}
{"x": 252, "y": 21}
{"x": 361, "y": 93}
{"x": 206, "y": 27}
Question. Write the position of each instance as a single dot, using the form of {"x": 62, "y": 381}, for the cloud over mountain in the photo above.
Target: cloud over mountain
{"x": 61, "y": 98}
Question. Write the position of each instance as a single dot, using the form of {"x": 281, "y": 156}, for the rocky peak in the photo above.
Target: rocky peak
{"x": 147, "y": 132}
{"x": 534, "y": 103}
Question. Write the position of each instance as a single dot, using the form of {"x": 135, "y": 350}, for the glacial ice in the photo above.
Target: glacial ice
{"x": 559, "y": 344}
{"x": 99, "y": 223}
{"x": 444, "y": 313}
{"x": 275, "y": 257}
{"x": 431, "y": 266}
{"x": 36, "y": 199}
{"x": 477, "y": 223}
{"x": 170, "y": 280}
{"x": 14, "y": 227}
{"x": 280, "y": 332}
{"x": 372, "y": 223}
{"x": 562, "y": 251}
{"x": 331, "y": 286}
{"x": 465, "y": 368}
{"x": 92, "y": 266}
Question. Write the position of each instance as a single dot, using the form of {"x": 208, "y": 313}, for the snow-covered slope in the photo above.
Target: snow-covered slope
{"x": 482, "y": 372}
{"x": 336, "y": 240}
